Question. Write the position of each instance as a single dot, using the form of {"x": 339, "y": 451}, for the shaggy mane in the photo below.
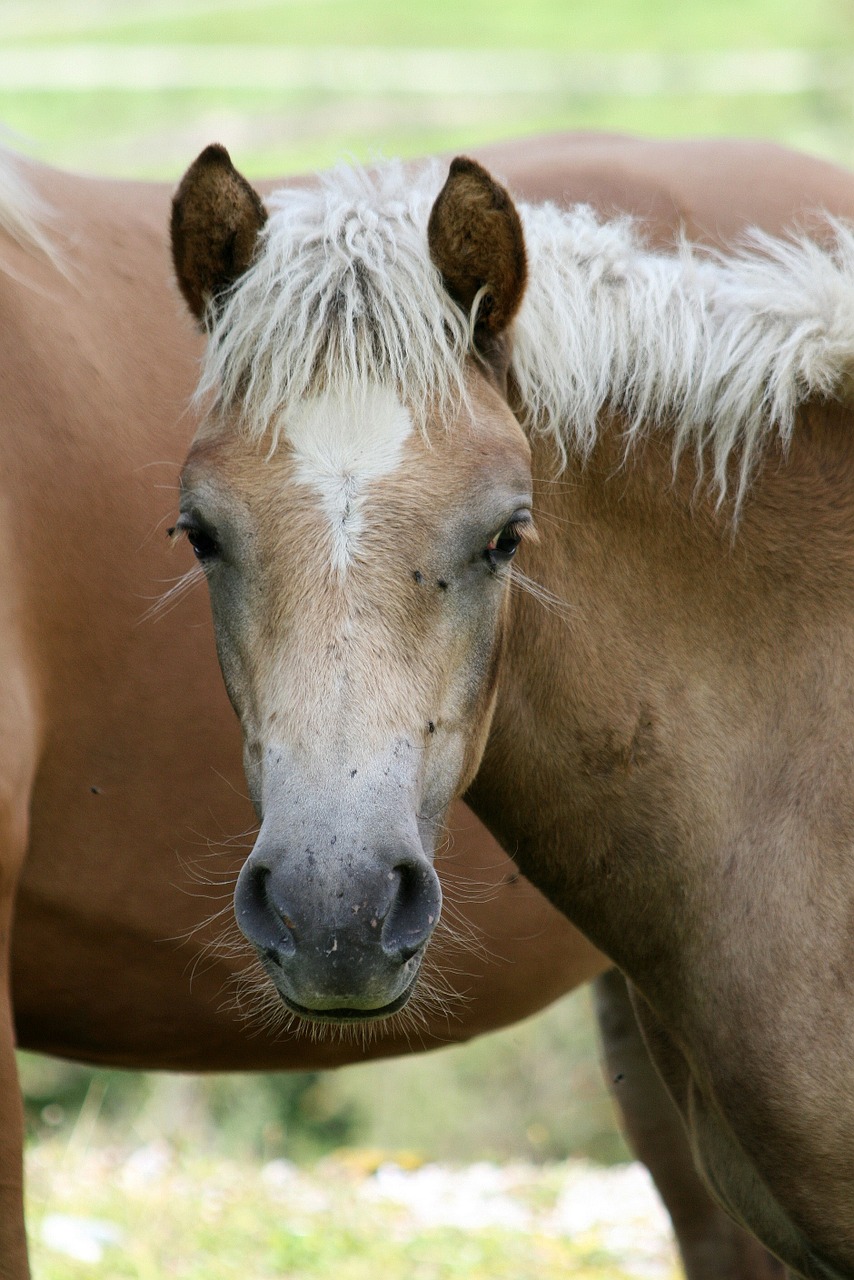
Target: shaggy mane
{"x": 721, "y": 349}
{"x": 342, "y": 295}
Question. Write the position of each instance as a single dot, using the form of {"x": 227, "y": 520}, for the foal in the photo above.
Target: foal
{"x": 397, "y": 371}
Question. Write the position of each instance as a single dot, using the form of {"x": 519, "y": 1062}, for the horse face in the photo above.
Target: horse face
{"x": 358, "y": 581}
{"x": 359, "y": 574}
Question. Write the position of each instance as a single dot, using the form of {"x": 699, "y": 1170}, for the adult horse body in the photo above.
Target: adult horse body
{"x": 667, "y": 744}
{"x": 119, "y": 754}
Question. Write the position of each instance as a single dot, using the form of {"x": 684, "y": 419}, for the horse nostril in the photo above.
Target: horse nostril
{"x": 260, "y": 920}
{"x": 413, "y": 910}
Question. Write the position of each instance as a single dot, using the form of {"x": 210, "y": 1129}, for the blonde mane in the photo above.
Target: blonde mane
{"x": 720, "y": 349}
{"x": 341, "y": 296}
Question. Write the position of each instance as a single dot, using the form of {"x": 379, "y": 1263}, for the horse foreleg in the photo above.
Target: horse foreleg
{"x": 13, "y": 1241}
{"x": 17, "y": 763}
{"x": 713, "y": 1247}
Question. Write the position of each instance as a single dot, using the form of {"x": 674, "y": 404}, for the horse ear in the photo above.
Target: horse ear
{"x": 216, "y": 217}
{"x": 476, "y": 240}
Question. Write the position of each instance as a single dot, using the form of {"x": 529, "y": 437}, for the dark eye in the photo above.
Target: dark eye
{"x": 204, "y": 544}
{"x": 503, "y": 546}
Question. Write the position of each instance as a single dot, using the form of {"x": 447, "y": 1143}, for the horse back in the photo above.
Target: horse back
{"x": 710, "y": 189}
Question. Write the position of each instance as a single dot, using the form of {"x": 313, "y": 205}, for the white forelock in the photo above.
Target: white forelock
{"x": 720, "y": 349}
{"x": 342, "y": 295}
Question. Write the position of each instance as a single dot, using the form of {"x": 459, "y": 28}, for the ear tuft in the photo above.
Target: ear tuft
{"x": 476, "y": 241}
{"x": 216, "y": 217}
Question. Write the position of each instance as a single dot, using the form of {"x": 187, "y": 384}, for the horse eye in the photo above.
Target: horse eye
{"x": 204, "y": 545}
{"x": 503, "y": 546}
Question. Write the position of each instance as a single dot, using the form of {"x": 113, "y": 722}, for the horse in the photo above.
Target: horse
{"x": 507, "y": 496}
{"x": 124, "y": 817}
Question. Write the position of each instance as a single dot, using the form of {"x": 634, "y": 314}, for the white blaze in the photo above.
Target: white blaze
{"x": 341, "y": 444}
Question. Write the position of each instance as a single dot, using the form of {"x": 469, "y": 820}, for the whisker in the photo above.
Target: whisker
{"x": 244, "y": 795}
{"x": 165, "y": 603}
{"x": 440, "y": 994}
{"x": 551, "y": 603}
{"x": 155, "y": 529}
{"x": 146, "y": 466}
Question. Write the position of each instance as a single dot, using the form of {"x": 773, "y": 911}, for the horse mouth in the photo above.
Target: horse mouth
{"x": 342, "y": 1017}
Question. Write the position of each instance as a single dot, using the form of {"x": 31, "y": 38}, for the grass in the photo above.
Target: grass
{"x": 567, "y": 25}
{"x": 533, "y": 1091}
{"x": 154, "y": 132}
{"x": 175, "y": 1215}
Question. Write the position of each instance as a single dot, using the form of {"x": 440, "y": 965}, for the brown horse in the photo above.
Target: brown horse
{"x": 121, "y": 799}
{"x": 530, "y": 503}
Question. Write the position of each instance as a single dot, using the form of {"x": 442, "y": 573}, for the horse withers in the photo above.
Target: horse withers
{"x": 533, "y": 503}
{"x": 124, "y": 816}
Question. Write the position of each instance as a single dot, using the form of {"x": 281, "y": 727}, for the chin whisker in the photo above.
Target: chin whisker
{"x": 440, "y": 994}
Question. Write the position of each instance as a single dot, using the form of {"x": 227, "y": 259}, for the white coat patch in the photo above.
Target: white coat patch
{"x": 341, "y": 444}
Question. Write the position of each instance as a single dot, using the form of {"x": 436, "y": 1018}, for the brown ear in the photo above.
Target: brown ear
{"x": 216, "y": 217}
{"x": 476, "y": 241}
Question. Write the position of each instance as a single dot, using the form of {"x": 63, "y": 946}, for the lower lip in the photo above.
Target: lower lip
{"x": 340, "y": 1016}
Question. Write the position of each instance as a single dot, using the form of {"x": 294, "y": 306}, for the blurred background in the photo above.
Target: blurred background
{"x": 127, "y": 88}
{"x": 534, "y": 1091}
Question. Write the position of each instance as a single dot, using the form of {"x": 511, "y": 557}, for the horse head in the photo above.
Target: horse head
{"x": 356, "y": 492}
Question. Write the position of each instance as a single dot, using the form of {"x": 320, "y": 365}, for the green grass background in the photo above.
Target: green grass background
{"x": 155, "y": 133}
{"x": 533, "y": 1091}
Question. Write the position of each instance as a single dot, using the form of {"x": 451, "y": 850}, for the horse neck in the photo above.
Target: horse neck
{"x": 642, "y": 735}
